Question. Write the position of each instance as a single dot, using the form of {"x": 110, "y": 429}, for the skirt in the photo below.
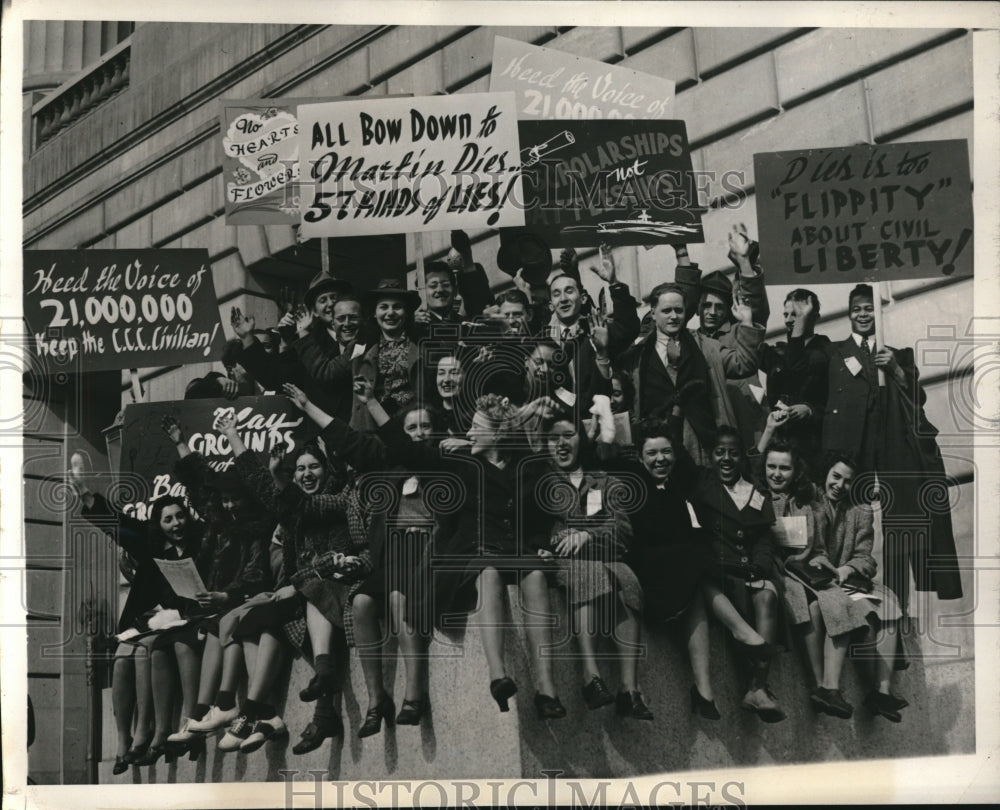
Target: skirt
{"x": 259, "y": 614}
{"x": 586, "y": 581}
{"x": 670, "y": 576}
{"x": 844, "y": 612}
{"x": 401, "y": 570}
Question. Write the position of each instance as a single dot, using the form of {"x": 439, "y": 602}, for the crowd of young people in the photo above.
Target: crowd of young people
{"x": 653, "y": 472}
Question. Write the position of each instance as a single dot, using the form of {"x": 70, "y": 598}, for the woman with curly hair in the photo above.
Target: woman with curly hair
{"x": 235, "y": 552}
{"x": 481, "y": 531}
{"x": 395, "y": 553}
{"x": 585, "y": 535}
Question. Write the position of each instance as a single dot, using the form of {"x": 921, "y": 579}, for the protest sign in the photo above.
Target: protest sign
{"x": 614, "y": 182}
{"x": 117, "y": 309}
{"x": 148, "y": 456}
{"x": 260, "y": 161}
{"x": 865, "y": 213}
{"x": 405, "y": 165}
{"x": 556, "y": 85}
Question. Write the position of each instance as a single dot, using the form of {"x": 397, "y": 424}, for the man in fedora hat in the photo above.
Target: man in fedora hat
{"x": 318, "y": 361}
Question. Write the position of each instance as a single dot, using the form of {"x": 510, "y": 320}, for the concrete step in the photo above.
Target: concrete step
{"x": 465, "y": 735}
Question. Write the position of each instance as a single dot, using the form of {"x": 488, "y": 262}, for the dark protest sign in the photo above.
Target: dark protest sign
{"x": 117, "y": 309}
{"x": 554, "y": 84}
{"x": 402, "y": 165}
{"x": 619, "y": 182}
{"x": 148, "y": 454}
{"x": 865, "y": 213}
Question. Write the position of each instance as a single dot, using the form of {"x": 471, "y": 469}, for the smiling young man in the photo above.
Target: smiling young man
{"x": 711, "y": 298}
{"x": 884, "y": 427}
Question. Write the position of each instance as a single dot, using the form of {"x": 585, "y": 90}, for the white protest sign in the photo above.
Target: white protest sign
{"x": 405, "y": 165}
{"x": 556, "y": 85}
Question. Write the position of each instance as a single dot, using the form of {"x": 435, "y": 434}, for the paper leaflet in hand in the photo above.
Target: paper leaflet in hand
{"x": 182, "y": 576}
{"x": 790, "y": 531}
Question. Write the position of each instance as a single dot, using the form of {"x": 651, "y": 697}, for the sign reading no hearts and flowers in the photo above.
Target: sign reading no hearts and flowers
{"x": 402, "y": 165}
{"x": 117, "y": 309}
{"x": 865, "y": 213}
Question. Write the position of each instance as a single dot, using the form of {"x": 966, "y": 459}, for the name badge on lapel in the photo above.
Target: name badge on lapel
{"x": 853, "y": 365}
{"x": 756, "y": 501}
{"x": 359, "y": 350}
{"x": 594, "y": 501}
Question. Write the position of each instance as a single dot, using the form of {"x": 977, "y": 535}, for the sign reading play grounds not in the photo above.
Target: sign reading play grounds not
{"x": 378, "y": 166}
{"x": 118, "y": 309}
{"x": 865, "y": 213}
{"x": 263, "y": 423}
{"x": 553, "y": 84}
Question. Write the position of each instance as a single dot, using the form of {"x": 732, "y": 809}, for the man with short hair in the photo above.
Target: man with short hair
{"x": 796, "y": 374}
{"x": 884, "y": 427}
{"x": 590, "y": 343}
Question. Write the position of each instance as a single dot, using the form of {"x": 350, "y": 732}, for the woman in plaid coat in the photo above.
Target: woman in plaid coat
{"x": 325, "y": 559}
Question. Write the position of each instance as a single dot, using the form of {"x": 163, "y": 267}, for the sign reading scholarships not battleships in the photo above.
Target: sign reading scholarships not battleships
{"x": 117, "y": 309}
{"x": 403, "y": 165}
{"x": 615, "y": 182}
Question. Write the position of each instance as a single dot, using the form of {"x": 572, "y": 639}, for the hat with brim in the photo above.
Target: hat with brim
{"x": 392, "y": 288}
{"x": 524, "y": 249}
{"x": 717, "y": 283}
{"x": 323, "y": 282}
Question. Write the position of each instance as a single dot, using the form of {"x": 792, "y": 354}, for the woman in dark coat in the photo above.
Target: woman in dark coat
{"x": 669, "y": 555}
{"x": 235, "y": 552}
{"x": 743, "y": 579}
{"x": 169, "y": 534}
{"x": 483, "y": 544}
{"x": 395, "y": 554}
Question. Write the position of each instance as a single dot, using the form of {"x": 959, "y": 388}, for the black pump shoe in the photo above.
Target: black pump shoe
{"x": 316, "y": 732}
{"x": 631, "y": 704}
{"x": 549, "y": 708}
{"x": 385, "y": 708}
{"x": 502, "y": 689}
{"x": 705, "y": 708}
{"x": 153, "y": 754}
{"x": 413, "y": 711}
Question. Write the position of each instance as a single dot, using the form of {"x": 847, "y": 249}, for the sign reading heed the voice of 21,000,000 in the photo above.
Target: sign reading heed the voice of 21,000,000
{"x": 117, "y": 309}
{"x": 403, "y": 165}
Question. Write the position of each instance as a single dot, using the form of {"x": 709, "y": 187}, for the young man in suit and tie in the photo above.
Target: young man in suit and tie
{"x": 884, "y": 427}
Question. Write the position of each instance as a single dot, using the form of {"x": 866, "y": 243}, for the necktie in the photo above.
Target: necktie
{"x": 866, "y": 348}
{"x": 673, "y": 352}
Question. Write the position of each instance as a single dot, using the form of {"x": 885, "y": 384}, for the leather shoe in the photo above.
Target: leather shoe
{"x": 884, "y": 706}
{"x": 631, "y": 704}
{"x": 831, "y": 701}
{"x": 596, "y": 694}
{"x": 549, "y": 708}
{"x": 316, "y": 732}
{"x": 762, "y": 702}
